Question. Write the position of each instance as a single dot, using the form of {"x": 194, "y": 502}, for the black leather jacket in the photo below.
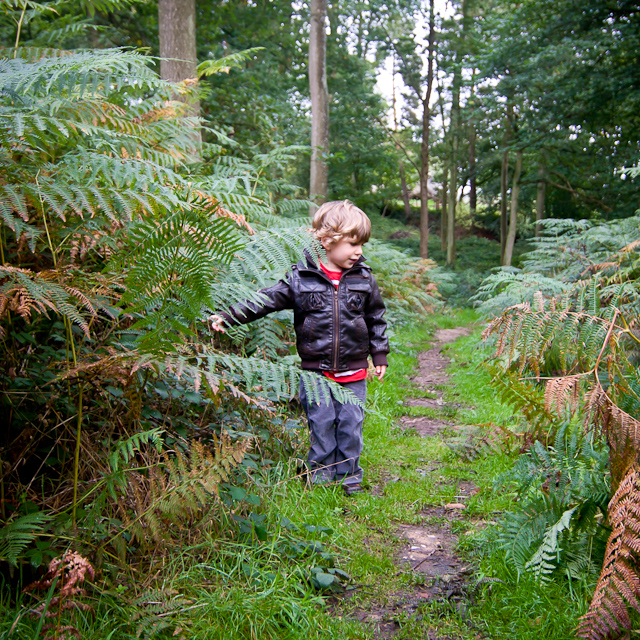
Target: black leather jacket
{"x": 336, "y": 328}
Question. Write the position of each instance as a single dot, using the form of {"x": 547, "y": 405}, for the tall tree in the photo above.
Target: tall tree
{"x": 540, "y": 194}
{"x": 401, "y": 171}
{"x": 178, "y": 57}
{"x": 424, "y": 147}
{"x": 457, "y": 36}
{"x": 473, "y": 190}
{"x": 319, "y": 178}
{"x": 411, "y": 63}
{"x": 177, "y": 35}
{"x": 453, "y": 171}
{"x": 513, "y": 210}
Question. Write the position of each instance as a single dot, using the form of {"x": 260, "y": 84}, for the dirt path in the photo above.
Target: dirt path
{"x": 429, "y": 550}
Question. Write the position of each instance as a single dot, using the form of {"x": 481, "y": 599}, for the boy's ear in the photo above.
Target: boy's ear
{"x": 326, "y": 243}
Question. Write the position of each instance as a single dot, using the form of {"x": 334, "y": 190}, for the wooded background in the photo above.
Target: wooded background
{"x": 159, "y": 163}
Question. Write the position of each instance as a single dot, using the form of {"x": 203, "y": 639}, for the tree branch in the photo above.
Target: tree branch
{"x": 404, "y": 149}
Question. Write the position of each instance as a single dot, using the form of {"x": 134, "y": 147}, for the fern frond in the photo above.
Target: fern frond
{"x": 544, "y": 560}
{"x": 562, "y": 391}
{"x": 618, "y": 587}
{"x": 19, "y": 532}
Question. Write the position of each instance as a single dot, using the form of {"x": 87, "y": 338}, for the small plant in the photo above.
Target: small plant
{"x": 62, "y": 584}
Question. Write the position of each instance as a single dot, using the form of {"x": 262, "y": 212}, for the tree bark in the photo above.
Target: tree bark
{"x": 513, "y": 218}
{"x": 540, "y": 196}
{"x": 424, "y": 148}
{"x": 453, "y": 169}
{"x": 473, "y": 192}
{"x": 403, "y": 179}
{"x": 179, "y": 60}
{"x": 177, "y": 32}
{"x": 455, "y": 141}
{"x": 405, "y": 192}
{"x": 443, "y": 214}
{"x": 319, "y": 177}
{"x": 504, "y": 177}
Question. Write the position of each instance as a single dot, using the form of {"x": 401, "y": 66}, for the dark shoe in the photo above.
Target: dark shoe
{"x": 350, "y": 489}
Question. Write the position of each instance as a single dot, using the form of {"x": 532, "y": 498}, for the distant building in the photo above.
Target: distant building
{"x": 433, "y": 189}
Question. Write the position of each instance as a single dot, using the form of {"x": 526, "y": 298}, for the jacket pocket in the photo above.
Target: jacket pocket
{"x": 312, "y": 295}
{"x": 357, "y": 293}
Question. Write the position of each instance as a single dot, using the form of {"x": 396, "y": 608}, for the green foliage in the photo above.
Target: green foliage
{"x": 581, "y": 343}
{"x": 113, "y": 252}
{"x": 18, "y": 533}
{"x": 405, "y": 282}
{"x": 562, "y": 493}
{"x": 558, "y": 119}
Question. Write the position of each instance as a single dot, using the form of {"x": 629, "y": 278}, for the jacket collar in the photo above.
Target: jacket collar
{"x": 310, "y": 262}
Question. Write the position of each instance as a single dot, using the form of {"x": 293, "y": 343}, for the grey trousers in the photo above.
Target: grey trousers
{"x": 336, "y": 435}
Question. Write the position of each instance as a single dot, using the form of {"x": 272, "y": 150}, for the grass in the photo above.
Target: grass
{"x": 260, "y": 585}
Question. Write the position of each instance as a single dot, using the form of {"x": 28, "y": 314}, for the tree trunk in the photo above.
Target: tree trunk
{"x": 540, "y": 195}
{"x": 424, "y": 148}
{"x": 443, "y": 214}
{"x": 455, "y": 141}
{"x": 473, "y": 193}
{"x": 504, "y": 177}
{"x": 177, "y": 32}
{"x": 403, "y": 179}
{"x": 513, "y": 218}
{"x": 453, "y": 170}
{"x": 319, "y": 102}
{"x": 424, "y": 183}
{"x": 179, "y": 60}
{"x": 509, "y": 127}
{"x": 405, "y": 192}
{"x": 451, "y": 215}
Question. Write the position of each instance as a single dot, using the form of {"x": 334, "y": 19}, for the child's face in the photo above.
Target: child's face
{"x": 344, "y": 253}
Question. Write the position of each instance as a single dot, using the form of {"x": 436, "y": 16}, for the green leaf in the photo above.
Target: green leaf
{"x": 324, "y": 580}
{"x": 238, "y": 493}
{"x": 261, "y": 532}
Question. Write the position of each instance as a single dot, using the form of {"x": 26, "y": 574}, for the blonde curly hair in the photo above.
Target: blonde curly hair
{"x": 340, "y": 220}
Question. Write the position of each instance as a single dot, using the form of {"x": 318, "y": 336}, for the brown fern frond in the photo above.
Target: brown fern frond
{"x": 630, "y": 247}
{"x": 214, "y": 205}
{"x": 621, "y": 430}
{"x": 115, "y": 366}
{"x": 562, "y": 391}
{"x": 67, "y": 572}
{"x": 618, "y": 587}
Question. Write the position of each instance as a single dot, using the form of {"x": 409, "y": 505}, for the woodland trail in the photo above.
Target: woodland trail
{"x": 428, "y": 550}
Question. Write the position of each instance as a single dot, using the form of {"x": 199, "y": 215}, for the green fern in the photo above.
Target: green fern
{"x": 19, "y": 532}
{"x": 547, "y": 556}
{"x": 124, "y": 450}
{"x": 563, "y": 495}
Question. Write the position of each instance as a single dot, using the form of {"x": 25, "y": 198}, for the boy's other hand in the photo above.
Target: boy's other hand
{"x": 217, "y": 323}
{"x": 380, "y": 370}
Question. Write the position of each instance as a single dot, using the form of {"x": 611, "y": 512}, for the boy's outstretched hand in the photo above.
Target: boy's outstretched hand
{"x": 217, "y": 323}
{"x": 380, "y": 370}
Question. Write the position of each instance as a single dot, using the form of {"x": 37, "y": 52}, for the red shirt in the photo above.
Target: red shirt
{"x": 341, "y": 376}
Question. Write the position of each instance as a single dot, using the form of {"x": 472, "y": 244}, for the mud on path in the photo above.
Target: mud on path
{"x": 429, "y": 549}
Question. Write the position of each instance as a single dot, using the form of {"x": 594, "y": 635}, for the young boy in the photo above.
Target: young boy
{"x": 338, "y": 319}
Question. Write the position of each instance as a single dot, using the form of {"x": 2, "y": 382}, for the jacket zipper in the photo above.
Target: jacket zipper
{"x": 336, "y": 327}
